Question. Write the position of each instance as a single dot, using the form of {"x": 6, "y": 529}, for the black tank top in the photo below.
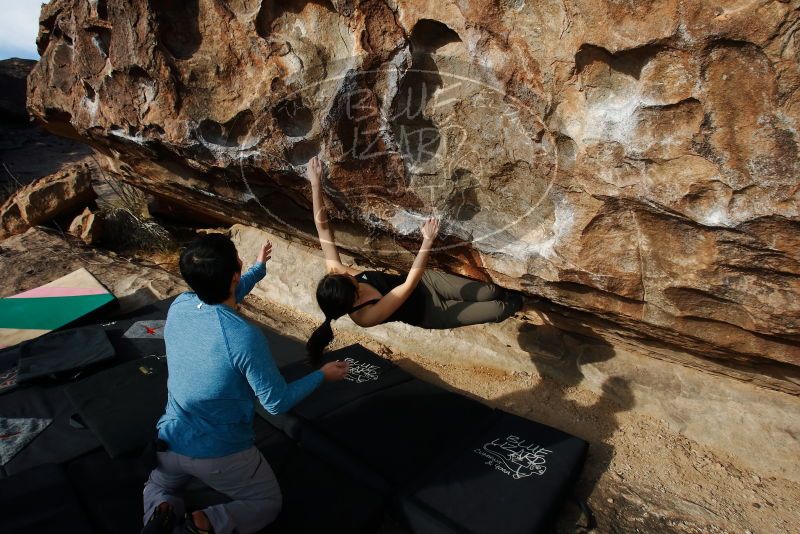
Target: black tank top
{"x": 412, "y": 311}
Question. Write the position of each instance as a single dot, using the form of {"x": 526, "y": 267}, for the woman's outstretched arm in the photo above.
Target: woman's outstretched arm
{"x": 391, "y": 301}
{"x": 324, "y": 232}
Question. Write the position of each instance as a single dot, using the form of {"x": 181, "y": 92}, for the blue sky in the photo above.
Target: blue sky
{"x": 19, "y": 24}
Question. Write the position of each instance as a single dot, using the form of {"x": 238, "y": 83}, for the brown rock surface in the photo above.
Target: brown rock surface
{"x": 636, "y": 162}
{"x": 13, "y": 73}
{"x": 61, "y": 193}
{"x": 27, "y": 151}
{"x": 87, "y": 226}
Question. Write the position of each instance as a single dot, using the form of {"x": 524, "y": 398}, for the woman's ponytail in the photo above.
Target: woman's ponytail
{"x": 335, "y": 296}
{"x": 320, "y": 339}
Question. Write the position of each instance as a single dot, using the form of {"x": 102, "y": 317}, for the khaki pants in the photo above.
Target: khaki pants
{"x": 245, "y": 477}
{"x": 453, "y": 301}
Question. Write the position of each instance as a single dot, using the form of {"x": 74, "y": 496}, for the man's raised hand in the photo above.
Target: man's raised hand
{"x": 265, "y": 254}
{"x": 334, "y": 371}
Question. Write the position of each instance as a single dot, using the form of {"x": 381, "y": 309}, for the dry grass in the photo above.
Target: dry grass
{"x": 10, "y": 186}
{"x": 127, "y": 222}
{"x": 6, "y": 190}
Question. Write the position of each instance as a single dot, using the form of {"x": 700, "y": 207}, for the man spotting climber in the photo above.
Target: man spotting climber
{"x": 217, "y": 364}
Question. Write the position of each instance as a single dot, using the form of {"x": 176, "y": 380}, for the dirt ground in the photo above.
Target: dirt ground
{"x": 640, "y": 476}
{"x": 22, "y": 147}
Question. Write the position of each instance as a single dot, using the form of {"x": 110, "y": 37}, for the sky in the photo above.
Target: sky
{"x": 19, "y": 24}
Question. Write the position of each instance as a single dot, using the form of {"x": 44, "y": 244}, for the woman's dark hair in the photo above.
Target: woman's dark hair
{"x": 208, "y": 265}
{"x": 336, "y": 294}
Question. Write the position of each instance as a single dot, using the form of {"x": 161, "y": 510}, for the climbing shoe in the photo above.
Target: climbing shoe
{"x": 514, "y": 301}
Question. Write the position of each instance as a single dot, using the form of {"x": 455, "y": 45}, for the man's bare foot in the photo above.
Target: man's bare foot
{"x": 200, "y": 521}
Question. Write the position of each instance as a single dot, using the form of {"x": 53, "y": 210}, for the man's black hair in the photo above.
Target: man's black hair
{"x": 208, "y": 265}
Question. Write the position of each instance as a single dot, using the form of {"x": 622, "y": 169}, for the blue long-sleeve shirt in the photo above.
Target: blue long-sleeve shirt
{"x": 218, "y": 365}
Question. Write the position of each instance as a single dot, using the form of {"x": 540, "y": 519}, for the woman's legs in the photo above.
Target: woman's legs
{"x": 452, "y": 301}
{"x": 452, "y": 287}
{"x": 455, "y": 313}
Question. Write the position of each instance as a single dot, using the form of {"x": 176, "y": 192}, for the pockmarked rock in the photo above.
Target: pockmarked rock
{"x": 634, "y": 162}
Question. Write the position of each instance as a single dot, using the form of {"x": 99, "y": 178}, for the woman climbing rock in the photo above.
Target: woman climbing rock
{"x": 423, "y": 298}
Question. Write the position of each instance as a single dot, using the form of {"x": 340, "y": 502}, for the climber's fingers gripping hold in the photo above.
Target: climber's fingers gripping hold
{"x": 314, "y": 171}
{"x": 430, "y": 229}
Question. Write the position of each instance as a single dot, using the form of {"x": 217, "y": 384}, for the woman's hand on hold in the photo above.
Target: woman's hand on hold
{"x": 430, "y": 229}
{"x": 265, "y": 254}
{"x": 334, "y": 371}
{"x": 314, "y": 171}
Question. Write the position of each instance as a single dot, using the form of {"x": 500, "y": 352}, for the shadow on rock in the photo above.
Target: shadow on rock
{"x": 563, "y": 359}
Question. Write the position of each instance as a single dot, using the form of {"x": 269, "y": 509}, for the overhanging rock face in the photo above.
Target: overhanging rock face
{"x": 634, "y": 162}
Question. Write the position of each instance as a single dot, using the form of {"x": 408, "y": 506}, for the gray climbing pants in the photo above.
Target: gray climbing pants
{"x": 245, "y": 477}
{"x": 453, "y": 301}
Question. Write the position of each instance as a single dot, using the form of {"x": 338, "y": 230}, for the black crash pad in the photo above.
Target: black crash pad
{"x": 317, "y": 497}
{"x": 57, "y": 443}
{"x": 285, "y": 350}
{"x": 387, "y": 438}
{"x": 63, "y": 352}
{"x": 368, "y": 374}
{"x": 40, "y": 500}
{"x": 9, "y": 368}
{"x": 121, "y": 405}
{"x": 132, "y": 340}
{"x": 512, "y": 478}
{"x": 110, "y": 489}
